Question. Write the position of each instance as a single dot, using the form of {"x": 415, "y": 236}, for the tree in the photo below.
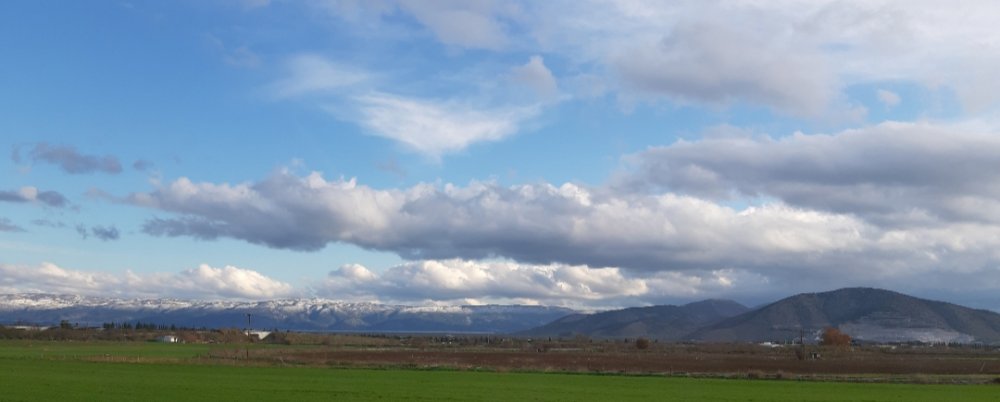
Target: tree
{"x": 833, "y": 337}
{"x": 642, "y": 343}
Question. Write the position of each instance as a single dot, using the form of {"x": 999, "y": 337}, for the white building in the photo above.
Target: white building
{"x": 261, "y": 335}
{"x": 168, "y": 339}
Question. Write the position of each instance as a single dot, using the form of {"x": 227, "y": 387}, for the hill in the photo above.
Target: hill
{"x": 666, "y": 323}
{"x": 864, "y": 313}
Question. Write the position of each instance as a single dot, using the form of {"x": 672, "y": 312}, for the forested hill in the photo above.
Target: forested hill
{"x": 864, "y": 313}
{"x": 669, "y": 323}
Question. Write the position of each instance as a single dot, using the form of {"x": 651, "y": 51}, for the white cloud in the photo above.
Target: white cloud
{"x": 228, "y": 282}
{"x": 203, "y": 282}
{"x": 470, "y": 24}
{"x": 838, "y": 43}
{"x": 888, "y": 98}
{"x": 892, "y": 172}
{"x": 530, "y": 223}
{"x": 792, "y": 55}
{"x": 439, "y": 282}
{"x": 535, "y": 75}
{"x": 432, "y": 127}
{"x": 313, "y": 74}
{"x": 719, "y": 62}
{"x": 453, "y": 279}
{"x": 846, "y": 208}
{"x": 435, "y": 128}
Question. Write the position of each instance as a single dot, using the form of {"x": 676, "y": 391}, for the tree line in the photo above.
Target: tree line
{"x": 139, "y": 325}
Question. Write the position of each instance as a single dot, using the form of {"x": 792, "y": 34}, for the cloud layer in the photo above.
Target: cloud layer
{"x": 859, "y": 206}
{"x": 455, "y": 281}
{"x": 473, "y": 282}
{"x": 203, "y": 282}
{"x": 450, "y": 281}
{"x": 530, "y": 223}
{"x": 898, "y": 174}
{"x": 792, "y": 56}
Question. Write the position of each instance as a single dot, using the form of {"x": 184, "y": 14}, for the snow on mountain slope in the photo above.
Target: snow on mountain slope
{"x": 296, "y": 314}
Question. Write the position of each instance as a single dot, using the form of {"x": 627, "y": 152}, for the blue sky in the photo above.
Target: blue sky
{"x": 587, "y": 154}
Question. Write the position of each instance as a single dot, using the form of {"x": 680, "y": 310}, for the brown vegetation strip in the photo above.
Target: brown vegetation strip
{"x": 861, "y": 362}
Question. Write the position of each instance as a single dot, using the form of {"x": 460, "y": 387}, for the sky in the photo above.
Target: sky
{"x": 588, "y": 154}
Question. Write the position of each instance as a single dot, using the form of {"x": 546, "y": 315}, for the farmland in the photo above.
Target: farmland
{"x": 46, "y": 370}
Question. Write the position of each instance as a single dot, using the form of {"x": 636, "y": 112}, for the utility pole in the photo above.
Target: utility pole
{"x": 802, "y": 343}
{"x": 249, "y": 337}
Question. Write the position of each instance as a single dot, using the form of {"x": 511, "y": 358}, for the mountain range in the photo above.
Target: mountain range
{"x": 291, "y": 314}
{"x": 867, "y": 314}
{"x": 669, "y": 323}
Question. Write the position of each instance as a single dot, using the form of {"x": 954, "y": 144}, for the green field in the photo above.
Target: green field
{"x": 62, "y": 371}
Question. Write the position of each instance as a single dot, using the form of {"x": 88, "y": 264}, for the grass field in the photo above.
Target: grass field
{"x": 65, "y": 371}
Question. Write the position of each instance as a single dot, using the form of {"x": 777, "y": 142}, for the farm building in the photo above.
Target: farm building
{"x": 260, "y": 335}
{"x": 168, "y": 339}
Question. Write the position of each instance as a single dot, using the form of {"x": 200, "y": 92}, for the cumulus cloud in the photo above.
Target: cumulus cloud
{"x": 7, "y": 226}
{"x": 902, "y": 173}
{"x": 227, "y": 282}
{"x": 863, "y": 206}
{"x": 29, "y": 194}
{"x": 448, "y": 282}
{"x": 435, "y": 127}
{"x": 531, "y": 223}
{"x": 456, "y": 281}
{"x": 71, "y": 161}
{"x": 453, "y": 279}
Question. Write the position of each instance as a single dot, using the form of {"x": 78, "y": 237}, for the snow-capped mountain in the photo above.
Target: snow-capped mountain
{"x": 293, "y": 314}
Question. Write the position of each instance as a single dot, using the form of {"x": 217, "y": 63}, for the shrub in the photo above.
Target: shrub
{"x": 833, "y": 337}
